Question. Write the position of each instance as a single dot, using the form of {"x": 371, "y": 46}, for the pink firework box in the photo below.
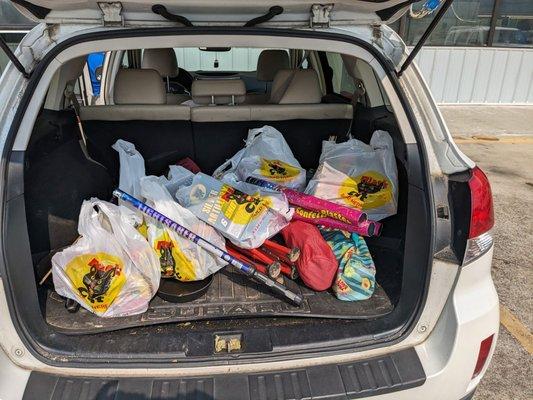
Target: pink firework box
{"x": 366, "y": 228}
{"x": 327, "y": 209}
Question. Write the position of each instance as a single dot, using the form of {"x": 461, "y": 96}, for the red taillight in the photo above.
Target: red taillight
{"x": 482, "y": 212}
{"x": 484, "y": 351}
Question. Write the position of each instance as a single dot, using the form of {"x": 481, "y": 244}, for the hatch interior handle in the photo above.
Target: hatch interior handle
{"x": 14, "y": 59}
{"x": 162, "y": 10}
{"x": 272, "y": 12}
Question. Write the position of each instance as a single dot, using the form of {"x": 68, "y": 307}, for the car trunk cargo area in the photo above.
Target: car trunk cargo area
{"x": 58, "y": 177}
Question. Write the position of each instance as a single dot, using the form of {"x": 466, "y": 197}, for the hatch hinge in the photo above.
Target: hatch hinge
{"x": 320, "y": 15}
{"x": 111, "y": 13}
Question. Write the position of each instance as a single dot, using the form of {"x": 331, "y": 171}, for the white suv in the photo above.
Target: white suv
{"x": 430, "y": 329}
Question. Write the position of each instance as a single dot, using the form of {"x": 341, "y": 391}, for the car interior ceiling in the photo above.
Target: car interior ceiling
{"x": 169, "y": 113}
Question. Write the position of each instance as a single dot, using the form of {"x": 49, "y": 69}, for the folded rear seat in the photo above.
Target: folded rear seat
{"x": 140, "y": 115}
{"x": 294, "y": 109}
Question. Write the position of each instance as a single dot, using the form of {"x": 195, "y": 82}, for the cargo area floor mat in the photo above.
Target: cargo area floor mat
{"x": 231, "y": 295}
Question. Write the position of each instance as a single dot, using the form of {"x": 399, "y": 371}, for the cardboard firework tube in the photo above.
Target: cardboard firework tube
{"x": 289, "y": 270}
{"x": 260, "y": 267}
{"x": 269, "y": 270}
{"x": 280, "y": 257}
{"x": 325, "y": 208}
{"x": 278, "y": 249}
{"x": 368, "y": 228}
{"x": 287, "y": 267}
{"x": 245, "y": 268}
{"x": 273, "y": 267}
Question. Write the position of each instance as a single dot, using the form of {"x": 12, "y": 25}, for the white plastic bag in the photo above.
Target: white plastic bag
{"x": 179, "y": 258}
{"x": 358, "y": 175}
{"x": 266, "y": 156}
{"x": 247, "y": 215}
{"x": 178, "y": 176}
{"x": 131, "y": 167}
{"x": 111, "y": 269}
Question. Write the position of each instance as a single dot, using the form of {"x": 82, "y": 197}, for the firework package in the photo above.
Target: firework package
{"x": 358, "y": 175}
{"x": 321, "y": 212}
{"x": 246, "y": 215}
{"x": 267, "y": 156}
{"x": 247, "y": 269}
{"x": 179, "y": 258}
{"x": 111, "y": 269}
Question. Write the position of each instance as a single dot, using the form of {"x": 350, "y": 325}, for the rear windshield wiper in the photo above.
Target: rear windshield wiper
{"x": 160, "y": 9}
{"x": 272, "y": 12}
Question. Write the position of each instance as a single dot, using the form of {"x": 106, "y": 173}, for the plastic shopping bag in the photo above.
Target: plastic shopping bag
{"x": 356, "y": 273}
{"x": 266, "y": 156}
{"x": 178, "y": 176}
{"x": 244, "y": 215}
{"x": 358, "y": 175}
{"x": 179, "y": 258}
{"x": 131, "y": 167}
{"x": 111, "y": 269}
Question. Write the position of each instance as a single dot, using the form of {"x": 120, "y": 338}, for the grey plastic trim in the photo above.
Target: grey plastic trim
{"x": 376, "y": 376}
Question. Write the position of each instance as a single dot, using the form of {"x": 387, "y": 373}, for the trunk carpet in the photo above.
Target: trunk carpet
{"x": 231, "y": 295}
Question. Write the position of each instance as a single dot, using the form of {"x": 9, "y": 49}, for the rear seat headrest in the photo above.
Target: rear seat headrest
{"x": 292, "y": 86}
{"x": 218, "y": 91}
{"x": 162, "y": 60}
{"x": 139, "y": 86}
{"x": 270, "y": 62}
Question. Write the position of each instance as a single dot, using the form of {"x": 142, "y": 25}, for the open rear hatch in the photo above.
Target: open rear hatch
{"x": 201, "y": 12}
{"x": 231, "y": 301}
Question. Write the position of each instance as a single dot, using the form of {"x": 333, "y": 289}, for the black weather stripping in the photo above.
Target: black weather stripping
{"x": 13, "y": 58}
{"x": 162, "y": 10}
{"x": 425, "y": 36}
{"x": 272, "y": 12}
{"x": 37, "y": 11}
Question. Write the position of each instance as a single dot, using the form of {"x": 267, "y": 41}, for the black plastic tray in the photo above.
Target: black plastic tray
{"x": 231, "y": 295}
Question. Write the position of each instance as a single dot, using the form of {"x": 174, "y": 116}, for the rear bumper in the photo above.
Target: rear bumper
{"x": 439, "y": 368}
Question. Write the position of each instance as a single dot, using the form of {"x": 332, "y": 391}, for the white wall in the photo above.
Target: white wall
{"x": 478, "y": 75}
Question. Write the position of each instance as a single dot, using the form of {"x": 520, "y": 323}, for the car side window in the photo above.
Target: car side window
{"x": 342, "y": 82}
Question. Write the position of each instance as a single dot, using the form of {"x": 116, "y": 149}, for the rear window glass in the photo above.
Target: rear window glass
{"x": 234, "y": 59}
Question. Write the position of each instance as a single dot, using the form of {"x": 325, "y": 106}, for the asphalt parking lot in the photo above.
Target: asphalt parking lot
{"x": 508, "y": 162}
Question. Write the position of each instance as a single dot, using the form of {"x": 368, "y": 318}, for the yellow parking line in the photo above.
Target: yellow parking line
{"x": 494, "y": 139}
{"x": 516, "y": 328}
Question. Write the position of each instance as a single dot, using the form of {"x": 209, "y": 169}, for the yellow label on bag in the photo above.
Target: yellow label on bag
{"x": 143, "y": 229}
{"x": 276, "y": 170}
{"x": 366, "y": 191}
{"x": 174, "y": 264}
{"x": 241, "y": 208}
{"x": 98, "y": 278}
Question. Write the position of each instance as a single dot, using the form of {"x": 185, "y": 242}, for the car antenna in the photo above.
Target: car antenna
{"x": 14, "y": 58}
{"x": 160, "y": 9}
{"x": 272, "y": 12}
